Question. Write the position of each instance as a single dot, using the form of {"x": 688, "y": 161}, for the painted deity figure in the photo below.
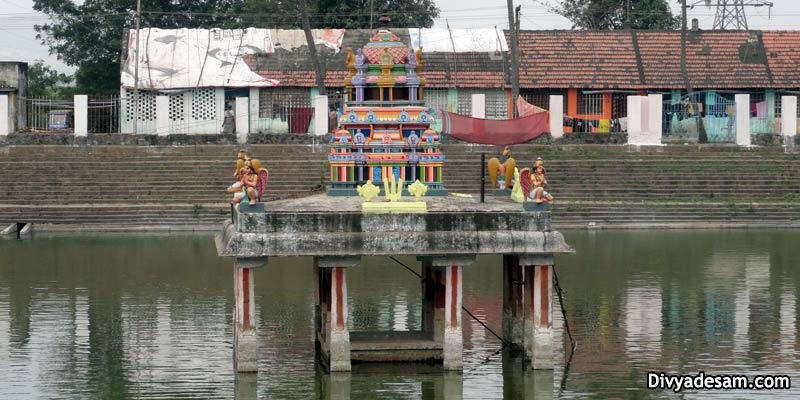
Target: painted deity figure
{"x": 249, "y": 183}
{"x": 240, "y": 163}
{"x": 499, "y": 167}
{"x": 252, "y": 182}
{"x": 534, "y": 183}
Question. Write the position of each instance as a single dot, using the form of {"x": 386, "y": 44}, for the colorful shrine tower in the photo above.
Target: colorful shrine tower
{"x": 384, "y": 129}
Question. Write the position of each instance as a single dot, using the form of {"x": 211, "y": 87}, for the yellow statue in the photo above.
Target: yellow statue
{"x": 393, "y": 188}
{"x": 351, "y": 67}
{"x": 368, "y": 191}
{"x": 499, "y": 167}
{"x": 240, "y": 163}
{"x": 516, "y": 192}
{"x": 417, "y": 189}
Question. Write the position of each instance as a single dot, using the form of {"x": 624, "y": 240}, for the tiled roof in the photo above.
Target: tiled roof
{"x": 294, "y": 68}
{"x": 783, "y": 53}
{"x": 582, "y": 59}
{"x": 651, "y": 59}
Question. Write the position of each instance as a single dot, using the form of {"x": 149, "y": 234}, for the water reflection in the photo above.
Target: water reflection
{"x": 149, "y": 317}
{"x": 643, "y": 320}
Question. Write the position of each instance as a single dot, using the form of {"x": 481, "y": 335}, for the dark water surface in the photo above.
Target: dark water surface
{"x": 113, "y": 317}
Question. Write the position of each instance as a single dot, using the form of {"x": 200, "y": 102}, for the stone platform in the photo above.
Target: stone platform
{"x": 329, "y": 226}
{"x": 446, "y": 239}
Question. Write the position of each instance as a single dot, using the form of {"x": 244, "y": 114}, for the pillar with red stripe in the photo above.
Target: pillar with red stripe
{"x": 452, "y": 338}
{"x": 245, "y": 341}
{"x": 331, "y": 286}
{"x": 538, "y": 335}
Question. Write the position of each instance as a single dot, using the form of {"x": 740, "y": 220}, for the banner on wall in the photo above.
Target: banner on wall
{"x": 504, "y": 132}
{"x": 190, "y": 58}
{"x": 445, "y": 40}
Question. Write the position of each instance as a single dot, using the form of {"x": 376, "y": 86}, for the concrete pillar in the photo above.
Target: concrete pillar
{"x": 242, "y": 119}
{"x": 512, "y": 300}
{"x": 655, "y": 117}
{"x": 479, "y": 105}
{"x": 81, "y": 114}
{"x": 162, "y": 115}
{"x": 336, "y": 333}
{"x": 320, "y": 115}
{"x": 4, "y": 116}
{"x": 245, "y": 340}
{"x": 743, "y": 120}
{"x": 635, "y": 123}
{"x": 452, "y": 338}
{"x": 538, "y": 310}
{"x": 788, "y": 118}
{"x": 428, "y": 287}
{"x": 556, "y": 116}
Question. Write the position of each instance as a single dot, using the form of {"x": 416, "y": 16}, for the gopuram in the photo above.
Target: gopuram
{"x": 377, "y": 149}
{"x": 385, "y": 127}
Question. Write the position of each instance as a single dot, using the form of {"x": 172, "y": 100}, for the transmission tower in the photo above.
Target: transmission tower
{"x": 730, "y": 13}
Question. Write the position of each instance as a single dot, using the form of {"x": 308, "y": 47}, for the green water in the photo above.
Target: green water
{"x": 122, "y": 316}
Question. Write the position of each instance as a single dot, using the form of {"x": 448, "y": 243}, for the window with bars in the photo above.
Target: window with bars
{"x": 619, "y": 105}
{"x": 436, "y": 99}
{"x": 497, "y": 105}
{"x": 541, "y": 98}
{"x": 465, "y": 101}
{"x": 274, "y": 103}
{"x": 590, "y": 103}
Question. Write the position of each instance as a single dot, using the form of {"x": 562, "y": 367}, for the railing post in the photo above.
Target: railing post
{"x": 162, "y": 115}
{"x": 479, "y": 105}
{"x": 242, "y": 119}
{"x": 4, "y": 117}
{"x": 556, "y": 116}
{"x": 789, "y": 118}
{"x": 743, "y": 120}
{"x": 81, "y": 115}
{"x": 320, "y": 115}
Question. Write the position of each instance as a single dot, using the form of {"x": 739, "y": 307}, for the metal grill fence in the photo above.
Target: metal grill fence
{"x": 48, "y": 115}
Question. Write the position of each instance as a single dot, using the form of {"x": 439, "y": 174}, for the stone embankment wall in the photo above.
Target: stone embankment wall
{"x": 164, "y": 186}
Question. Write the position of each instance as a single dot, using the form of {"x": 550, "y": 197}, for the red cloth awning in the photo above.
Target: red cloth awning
{"x": 495, "y": 132}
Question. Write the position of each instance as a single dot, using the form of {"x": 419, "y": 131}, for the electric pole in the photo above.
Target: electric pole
{"x": 136, "y": 70}
{"x": 512, "y": 28}
{"x": 702, "y": 137}
{"x": 730, "y": 13}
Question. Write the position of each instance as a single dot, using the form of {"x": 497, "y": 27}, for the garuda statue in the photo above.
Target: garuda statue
{"x": 500, "y": 167}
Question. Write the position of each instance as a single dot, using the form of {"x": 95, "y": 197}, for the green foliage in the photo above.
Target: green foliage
{"x": 44, "y": 81}
{"x": 348, "y": 14}
{"x": 614, "y": 14}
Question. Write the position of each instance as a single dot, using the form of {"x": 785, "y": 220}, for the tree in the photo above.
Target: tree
{"x": 348, "y": 14}
{"x": 618, "y": 14}
{"x": 89, "y": 36}
{"x": 44, "y": 81}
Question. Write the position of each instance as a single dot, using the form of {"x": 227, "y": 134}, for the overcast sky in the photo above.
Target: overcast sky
{"x": 18, "y": 40}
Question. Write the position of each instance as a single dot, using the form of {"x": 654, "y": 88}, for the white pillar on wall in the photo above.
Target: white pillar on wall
{"x": 162, "y": 115}
{"x": 655, "y": 116}
{"x": 320, "y": 115}
{"x": 4, "y": 117}
{"x": 478, "y": 105}
{"x": 556, "y": 116}
{"x": 635, "y": 123}
{"x": 789, "y": 117}
{"x": 242, "y": 119}
{"x": 81, "y": 114}
{"x": 743, "y": 120}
